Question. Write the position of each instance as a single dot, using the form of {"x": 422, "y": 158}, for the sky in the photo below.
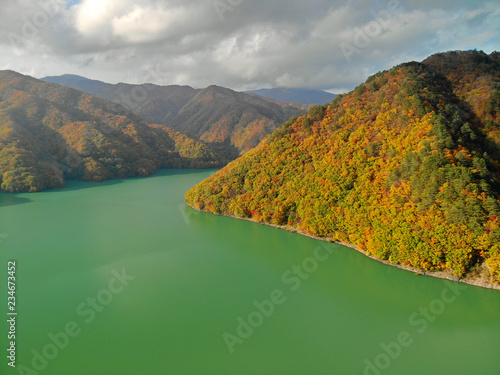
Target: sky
{"x": 240, "y": 44}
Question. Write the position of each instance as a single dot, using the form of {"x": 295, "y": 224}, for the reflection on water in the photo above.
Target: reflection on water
{"x": 7, "y": 199}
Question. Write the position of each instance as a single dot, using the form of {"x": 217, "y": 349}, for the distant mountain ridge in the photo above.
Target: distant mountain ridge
{"x": 50, "y": 133}
{"x": 214, "y": 114}
{"x": 406, "y": 167}
{"x": 302, "y": 96}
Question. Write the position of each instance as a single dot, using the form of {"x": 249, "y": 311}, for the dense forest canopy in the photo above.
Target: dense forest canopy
{"x": 406, "y": 167}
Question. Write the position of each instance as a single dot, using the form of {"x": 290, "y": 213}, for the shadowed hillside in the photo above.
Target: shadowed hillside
{"x": 232, "y": 120}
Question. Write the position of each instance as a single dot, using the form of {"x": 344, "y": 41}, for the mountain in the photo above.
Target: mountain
{"x": 50, "y": 133}
{"x": 406, "y": 168}
{"x": 217, "y": 114}
{"x": 231, "y": 120}
{"x": 303, "y": 96}
{"x": 80, "y": 83}
{"x": 153, "y": 103}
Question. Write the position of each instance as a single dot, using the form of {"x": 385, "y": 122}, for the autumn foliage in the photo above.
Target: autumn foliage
{"x": 406, "y": 167}
{"x": 50, "y": 133}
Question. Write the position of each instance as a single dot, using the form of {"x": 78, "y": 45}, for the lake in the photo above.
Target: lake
{"x": 122, "y": 278}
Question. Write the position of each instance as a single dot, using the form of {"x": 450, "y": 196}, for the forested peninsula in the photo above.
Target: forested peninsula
{"x": 406, "y": 168}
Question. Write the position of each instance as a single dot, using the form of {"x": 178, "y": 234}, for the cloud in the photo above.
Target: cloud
{"x": 242, "y": 44}
{"x": 93, "y": 16}
{"x": 144, "y": 24}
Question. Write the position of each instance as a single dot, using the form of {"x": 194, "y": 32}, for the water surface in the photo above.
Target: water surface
{"x": 190, "y": 280}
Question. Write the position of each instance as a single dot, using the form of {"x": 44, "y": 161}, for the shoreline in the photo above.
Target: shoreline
{"x": 478, "y": 282}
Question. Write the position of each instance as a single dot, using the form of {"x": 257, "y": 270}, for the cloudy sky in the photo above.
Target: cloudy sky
{"x": 241, "y": 44}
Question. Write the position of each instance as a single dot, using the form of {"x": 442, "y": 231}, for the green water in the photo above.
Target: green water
{"x": 192, "y": 279}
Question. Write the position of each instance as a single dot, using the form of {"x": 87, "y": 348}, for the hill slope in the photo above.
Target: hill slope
{"x": 406, "y": 167}
{"x": 303, "y": 96}
{"x": 49, "y": 133}
{"x": 215, "y": 114}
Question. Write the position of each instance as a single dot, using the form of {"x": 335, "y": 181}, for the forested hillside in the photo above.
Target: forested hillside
{"x": 49, "y": 133}
{"x": 406, "y": 167}
{"x": 228, "y": 120}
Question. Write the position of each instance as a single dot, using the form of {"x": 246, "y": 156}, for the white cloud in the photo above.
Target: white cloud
{"x": 138, "y": 22}
{"x": 93, "y": 17}
{"x": 143, "y": 24}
